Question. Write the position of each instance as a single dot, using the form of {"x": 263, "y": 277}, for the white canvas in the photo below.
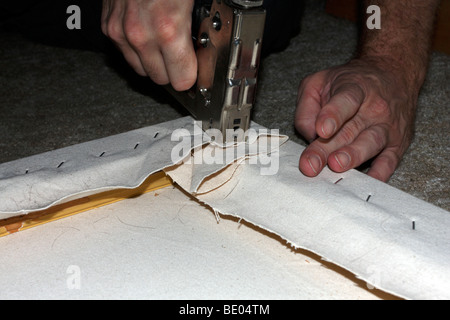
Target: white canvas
{"x": 386, "y": 237}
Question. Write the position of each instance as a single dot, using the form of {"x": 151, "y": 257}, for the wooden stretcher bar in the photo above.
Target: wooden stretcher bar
{"x": 14, "y": 224}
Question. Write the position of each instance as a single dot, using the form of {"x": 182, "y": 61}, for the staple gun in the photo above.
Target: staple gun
{"x": 228, "y": 37}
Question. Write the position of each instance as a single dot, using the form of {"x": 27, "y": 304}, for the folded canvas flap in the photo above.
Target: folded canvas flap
{"x": 331, "y": 215}
{"x": 119, "y": 161}
{"x": 209, "y": 160}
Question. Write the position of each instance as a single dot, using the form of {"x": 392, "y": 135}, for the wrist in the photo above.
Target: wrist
{"x": 405, "y": 73}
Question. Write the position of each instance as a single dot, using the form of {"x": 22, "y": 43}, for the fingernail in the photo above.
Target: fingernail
{"x": 343, "y": 158}
{"x": 315, "y": 163}
{"x": 328, "y": 127}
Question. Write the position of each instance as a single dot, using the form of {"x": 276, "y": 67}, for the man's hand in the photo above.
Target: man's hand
{"x": 154, "y": 37}
{"x": 365, "y": 109}
{"x": 358, "y": 112}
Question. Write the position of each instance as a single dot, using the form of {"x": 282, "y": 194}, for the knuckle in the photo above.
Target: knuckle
{"x": 389, "y": 162}
{"x": 302, "y": 121}
{"x": 347, "y": 135}
{"x": 352, "y": 95}
{"x": 348, "y": 79}
{"x": 304, "y": 83}
{"x": 166, "y": 29}
{"x": 379, "y": 108}
{"x": 349, "y": 132}
{"x": 312, "y": 81}
{"x": 135, "y": 34}
{"x": 378, "y": 139}
{"x": 114, "y": 31}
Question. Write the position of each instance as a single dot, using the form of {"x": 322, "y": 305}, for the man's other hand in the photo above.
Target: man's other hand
{"x": 351, "y": 114}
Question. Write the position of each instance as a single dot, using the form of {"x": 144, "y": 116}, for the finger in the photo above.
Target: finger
{"x": 142, "y": 53}
{"x": 384, "y": 166}
{"x": 133, "y": 59}
{"x": 366, "y": 146}
{"x": 315, "y": 156}
{"x": 180, "y": 61}
{"x": 308, "y": 105}
{"x": 178, "y": 54}
{"x": 170, "y": 57}
{"x": 154, "y": 65}
{"x": 130, "y": 55}
{"x": 177, "y": 48}
{"x": 112, "y": 28}
{"x": 345, "y": 101}
{"x": 312, "y": 159}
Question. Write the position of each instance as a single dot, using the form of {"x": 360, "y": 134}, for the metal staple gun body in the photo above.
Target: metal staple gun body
{"x": 228, "y": 37}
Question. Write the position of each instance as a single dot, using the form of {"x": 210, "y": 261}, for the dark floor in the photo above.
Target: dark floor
{"x": 54, "y": 97}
